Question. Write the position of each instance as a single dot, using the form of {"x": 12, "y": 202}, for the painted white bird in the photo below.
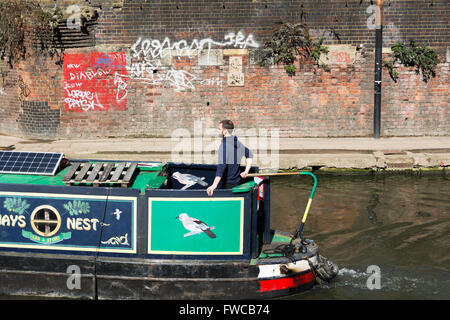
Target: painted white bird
{"x": 117, "y": 213}
{"x": 195, "y": 226}
{"x": 188, "y": 179}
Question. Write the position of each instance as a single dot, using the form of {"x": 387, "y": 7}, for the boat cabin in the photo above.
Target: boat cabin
{"x": 150, "y": 210}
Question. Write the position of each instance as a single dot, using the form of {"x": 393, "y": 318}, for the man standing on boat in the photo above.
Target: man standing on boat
{"x": 231, "y": 151}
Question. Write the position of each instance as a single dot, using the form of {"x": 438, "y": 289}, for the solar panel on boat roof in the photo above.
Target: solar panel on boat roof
{"x": 45, "y": 163}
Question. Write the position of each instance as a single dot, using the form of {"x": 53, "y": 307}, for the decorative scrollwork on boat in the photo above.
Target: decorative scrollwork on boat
{"x": 123, "y": 240}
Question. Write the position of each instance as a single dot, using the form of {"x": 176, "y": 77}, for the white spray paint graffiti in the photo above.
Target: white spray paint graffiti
{"x": 152, "y": 75}
{"x": 88, "y": 75}
{"x": 155, "y": 49}
{"x": 212, "y": 82}
{"x": 85, "y": 100}
{"x": 2, "y": 91}
{"x": 147, "y": 55}
{"x": 180, "y": 79}
{"x": 121, "y": 86}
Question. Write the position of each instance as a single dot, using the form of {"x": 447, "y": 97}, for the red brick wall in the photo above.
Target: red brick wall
{"x": 158, "y": 99}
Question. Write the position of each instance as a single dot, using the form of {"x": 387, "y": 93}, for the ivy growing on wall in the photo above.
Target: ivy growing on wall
{"x": 21, "y": 16}
{"x": 422, "y": 58}
{"x": 288, "y": 42}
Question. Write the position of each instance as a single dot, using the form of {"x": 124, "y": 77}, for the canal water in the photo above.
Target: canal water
{"x": 395, "y": 226}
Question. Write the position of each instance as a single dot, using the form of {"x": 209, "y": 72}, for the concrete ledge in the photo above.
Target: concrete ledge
{"x": 328, "y": 154}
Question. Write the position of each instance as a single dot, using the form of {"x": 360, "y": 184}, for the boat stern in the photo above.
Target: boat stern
{"x": 287, "y": 267}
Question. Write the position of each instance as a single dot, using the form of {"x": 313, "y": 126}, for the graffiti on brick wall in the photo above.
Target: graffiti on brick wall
{"x": 151, "y": 59}
{"x": 154, "y": 48}
{"x": 95, "y": 81}
{"x": 2, "y": 91}
{"x": 340, "y": 57}
{"x": 339, "y": 54}
{"x": 152, "y": 73}
{"x": 211, "y": 82}
{"x": 24, "y": 90}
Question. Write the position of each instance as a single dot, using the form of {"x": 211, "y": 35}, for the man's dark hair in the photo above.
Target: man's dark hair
{"x": 227, "y": 124}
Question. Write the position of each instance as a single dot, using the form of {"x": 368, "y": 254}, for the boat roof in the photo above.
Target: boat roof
{"x": 147, "y": 175}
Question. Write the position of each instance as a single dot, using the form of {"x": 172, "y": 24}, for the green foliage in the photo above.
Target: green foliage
{"x": 77, "y": 207}
{"x": 422, "y": 58}
{"x": 21, "y": 16}
{"x": 16, "y": 205}
{"x": 288, "y": 42}
{"x": 290, "y": 69}
{"x": 316, "y": 50}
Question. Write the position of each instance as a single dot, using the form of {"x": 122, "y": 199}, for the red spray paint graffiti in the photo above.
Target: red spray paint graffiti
{"x": 341, "y": 57}
{"x": 95, "y": 81}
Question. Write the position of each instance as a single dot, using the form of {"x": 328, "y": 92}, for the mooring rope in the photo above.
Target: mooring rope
{"x": 286, "y": 250}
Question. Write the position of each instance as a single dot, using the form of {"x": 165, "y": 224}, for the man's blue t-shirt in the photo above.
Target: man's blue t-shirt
{"x": 231, "y": 151}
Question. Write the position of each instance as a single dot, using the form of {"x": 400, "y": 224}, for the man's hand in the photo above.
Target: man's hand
{"x": 210, "y": 190}
{"x": 213, "y": 187}
{"x": 244, "y": 174}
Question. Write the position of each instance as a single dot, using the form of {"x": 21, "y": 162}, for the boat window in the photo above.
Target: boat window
{"x": 45, "y": 221}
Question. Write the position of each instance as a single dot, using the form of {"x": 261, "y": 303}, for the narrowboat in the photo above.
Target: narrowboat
{"x": 101, "y": 229}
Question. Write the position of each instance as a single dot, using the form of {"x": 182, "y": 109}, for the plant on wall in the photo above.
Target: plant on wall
{"x": 21, "y": 16}
{"x": 316, "y": 50}
{"x": 288, "y": 42}
{"x": 422, "y": 58}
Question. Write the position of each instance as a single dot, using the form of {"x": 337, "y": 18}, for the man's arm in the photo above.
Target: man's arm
{"x": 219, "y": 173}
{"x": 213, "y": 187}
{"x": 248, "y": 161}
{"x": 248, "y": 165}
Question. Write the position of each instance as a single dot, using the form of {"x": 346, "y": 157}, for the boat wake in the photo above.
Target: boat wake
{"x": 394, "y": 280}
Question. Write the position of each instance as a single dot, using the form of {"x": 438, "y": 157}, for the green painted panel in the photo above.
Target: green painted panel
{"x": 206, "y": 226}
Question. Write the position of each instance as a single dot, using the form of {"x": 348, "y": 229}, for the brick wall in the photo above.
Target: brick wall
{"x": 126, "y": 83}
